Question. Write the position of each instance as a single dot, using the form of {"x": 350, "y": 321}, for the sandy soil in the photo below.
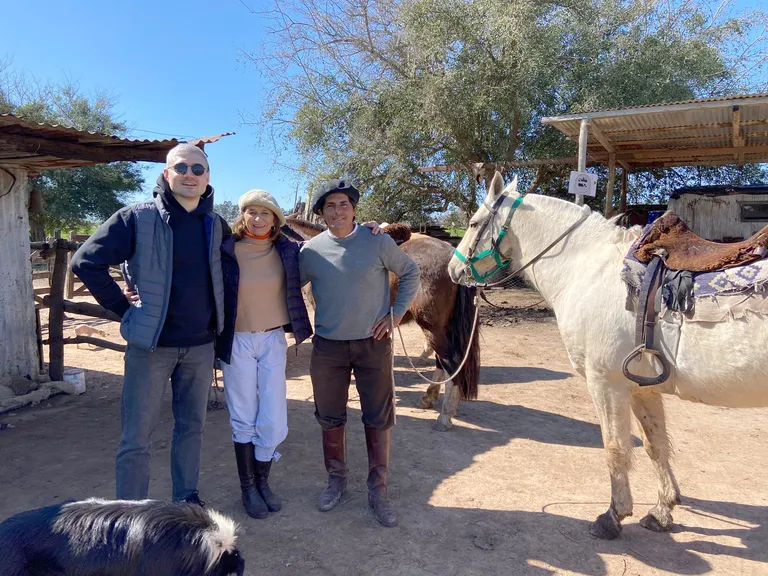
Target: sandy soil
{"x": 509, "y": 490}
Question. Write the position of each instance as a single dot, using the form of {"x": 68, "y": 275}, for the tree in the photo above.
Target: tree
{"x": 227, "y": 210}
{"x": 73, "y": 198}
{"x": 375, "y": 89}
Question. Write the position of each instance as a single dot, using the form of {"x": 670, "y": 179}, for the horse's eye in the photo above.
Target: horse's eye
{"x": 473, "y": 224}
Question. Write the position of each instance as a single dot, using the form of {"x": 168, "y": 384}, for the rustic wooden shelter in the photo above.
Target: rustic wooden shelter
{"x": 722, "y": 213}
{"x": 26, "y": 148}
{"x": 703, "y": 132}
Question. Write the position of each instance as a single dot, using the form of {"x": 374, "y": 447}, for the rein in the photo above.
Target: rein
{"x": 466, "y": 354}
{"x": 470, "y": 260}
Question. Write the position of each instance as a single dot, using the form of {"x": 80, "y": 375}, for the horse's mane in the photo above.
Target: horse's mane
{"x": 596, "y": 224}
{"x": 305, "y": 223}
{"x": 399, "y": 232}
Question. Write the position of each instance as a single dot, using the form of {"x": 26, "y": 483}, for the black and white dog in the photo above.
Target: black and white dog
{"x": 119, "y": 538}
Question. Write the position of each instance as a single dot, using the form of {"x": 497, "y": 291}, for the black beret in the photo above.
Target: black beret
{"x": 331, "y": 187}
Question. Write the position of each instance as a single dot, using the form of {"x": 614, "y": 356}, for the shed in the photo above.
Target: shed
{"x": 701, "y": 132}
{"x": 26, "y": 148}
{"x": 722, "y": 213}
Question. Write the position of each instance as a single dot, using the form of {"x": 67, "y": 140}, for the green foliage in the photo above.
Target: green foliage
{"x": 227, "y": 210}
{"x": 374, "y": 89}
{"x": 73, "y": 198}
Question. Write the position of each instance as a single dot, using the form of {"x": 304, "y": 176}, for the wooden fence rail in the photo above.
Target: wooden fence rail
{"x": 61, "y": 250}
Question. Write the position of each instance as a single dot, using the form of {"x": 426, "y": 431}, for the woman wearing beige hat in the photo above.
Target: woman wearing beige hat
{"x": 263, "y": 300}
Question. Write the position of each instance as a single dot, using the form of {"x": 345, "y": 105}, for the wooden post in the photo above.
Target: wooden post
{"x": 56, "y": 312}
{"x": 609, "y": 187}
{"x": 39, "y": 338}
{"x": 623, "y": 197}
{"x": 583, "y": 137}
{"x": 70, "y": 282}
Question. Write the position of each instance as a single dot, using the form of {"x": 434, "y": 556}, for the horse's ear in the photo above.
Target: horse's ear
{"x": 497, "y": 184}
{"x": 512, "y": 186}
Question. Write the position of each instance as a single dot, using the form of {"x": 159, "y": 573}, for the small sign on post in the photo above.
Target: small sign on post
{"x": 582, "y": 183}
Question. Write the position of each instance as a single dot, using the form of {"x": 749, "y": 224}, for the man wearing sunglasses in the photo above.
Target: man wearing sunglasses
{"x": 169, "y": 250}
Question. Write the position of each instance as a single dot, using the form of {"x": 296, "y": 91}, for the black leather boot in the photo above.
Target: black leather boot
{"x": 335, "y": 456}
{"x": 261, "y": 476}
{"x": 246, "y": 466}
{"x": 378, "y": 442}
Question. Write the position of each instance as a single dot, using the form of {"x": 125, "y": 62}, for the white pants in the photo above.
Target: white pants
{"x": 254, "y": 384}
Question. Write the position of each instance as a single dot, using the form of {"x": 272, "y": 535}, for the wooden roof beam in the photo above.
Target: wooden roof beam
{"x": 69, "y": 150}
{"x": 738, "y": 138}
{"x": 661, "y": 109}
{"x": 607, "y": 144}
{"x": 693, "y": 153}
{"x": 570, "y": 160}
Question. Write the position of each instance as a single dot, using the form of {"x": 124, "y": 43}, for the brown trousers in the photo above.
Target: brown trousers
{"x": 331, "y": 368}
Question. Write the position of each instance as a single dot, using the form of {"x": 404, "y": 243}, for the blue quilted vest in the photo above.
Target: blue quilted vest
{"x": 150, "y": 269}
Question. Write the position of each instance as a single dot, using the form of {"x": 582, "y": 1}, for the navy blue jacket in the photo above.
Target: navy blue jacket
{"x": 297, "y": 310}
{"x": 172, "y": 259}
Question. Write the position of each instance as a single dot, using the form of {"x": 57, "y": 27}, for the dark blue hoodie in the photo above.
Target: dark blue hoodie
{"x": 190, "y": 318}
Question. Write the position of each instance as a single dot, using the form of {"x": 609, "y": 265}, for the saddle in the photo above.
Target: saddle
{"x": 682, "y": 249}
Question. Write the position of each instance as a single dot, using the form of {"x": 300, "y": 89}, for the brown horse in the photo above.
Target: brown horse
{"x": 443, "y": 310}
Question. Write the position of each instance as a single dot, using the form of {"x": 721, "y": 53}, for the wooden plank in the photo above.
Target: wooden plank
{"x": 623, "y": 196}
{"x": 56, "y": 313}
{"x": 609, "y": 187}
{"x": 85, "y": 309}
{"x": 662, "y": 109}
{"x": 96, "y": 342}
{"x": 582, "y": 165}
{"x": 568, "y": 161}
{"x": 92, "y": 153}
{"x": 693, "y": 153}
{"x": 616, "y": 135}
{"x": 69, "y": 283}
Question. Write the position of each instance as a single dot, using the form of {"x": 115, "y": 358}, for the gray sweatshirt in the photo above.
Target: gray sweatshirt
{"x": 350, "y": 281}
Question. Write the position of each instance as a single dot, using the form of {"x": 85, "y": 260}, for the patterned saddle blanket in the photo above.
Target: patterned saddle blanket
{"x": 703, "y": 296}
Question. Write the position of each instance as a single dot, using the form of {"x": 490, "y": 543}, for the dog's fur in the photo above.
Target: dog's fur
{"x": 119, "y": 538}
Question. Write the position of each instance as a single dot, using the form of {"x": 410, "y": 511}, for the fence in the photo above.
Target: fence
{"x": 52, "y": 297}
{"x": 42, "y": 269}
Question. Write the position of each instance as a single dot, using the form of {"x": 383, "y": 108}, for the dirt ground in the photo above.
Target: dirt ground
{"x": 510, "y": 489}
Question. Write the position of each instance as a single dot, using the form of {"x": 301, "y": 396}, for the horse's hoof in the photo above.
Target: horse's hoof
{"x": 651, "y": 523}
{"x": 606, "y": 526}
{"x": 442, "y": 425}
{"x": 425, "y": 403}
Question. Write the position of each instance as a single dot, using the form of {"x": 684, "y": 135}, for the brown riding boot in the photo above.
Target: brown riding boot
{"x": 378, "y": 442}
{"x": 335, "y": 456}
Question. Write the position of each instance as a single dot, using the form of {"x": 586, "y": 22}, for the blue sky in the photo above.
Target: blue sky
{"x": 174, "y": 67}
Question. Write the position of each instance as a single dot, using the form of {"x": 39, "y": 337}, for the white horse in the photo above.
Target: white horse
{"x": 722, "y": 364}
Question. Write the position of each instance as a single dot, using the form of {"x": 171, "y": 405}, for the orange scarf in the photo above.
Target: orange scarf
{"x": 267, "y": 235}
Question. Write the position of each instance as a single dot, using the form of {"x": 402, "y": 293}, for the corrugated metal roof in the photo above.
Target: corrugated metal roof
{"x": 709, "y": 131}
{"x": 40, "y": 146}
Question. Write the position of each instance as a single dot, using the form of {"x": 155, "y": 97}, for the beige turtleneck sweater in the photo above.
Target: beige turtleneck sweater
{"x": 261, "y": 301}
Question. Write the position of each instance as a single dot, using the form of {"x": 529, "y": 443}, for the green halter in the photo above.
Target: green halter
{"x": 493, "y": 251}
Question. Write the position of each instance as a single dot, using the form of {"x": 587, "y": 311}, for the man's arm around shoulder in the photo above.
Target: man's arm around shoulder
{"x": 403, "y": 266}
{"x": 111, "y": 244}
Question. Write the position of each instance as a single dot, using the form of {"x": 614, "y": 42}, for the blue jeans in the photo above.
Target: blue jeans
{"x": 190, "y": 371}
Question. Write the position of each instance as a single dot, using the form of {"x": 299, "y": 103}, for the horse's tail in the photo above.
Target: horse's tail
{"x": 459, "y": 331}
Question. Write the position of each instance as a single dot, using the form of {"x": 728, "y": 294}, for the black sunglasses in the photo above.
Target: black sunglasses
{"x": 197, "y": 169}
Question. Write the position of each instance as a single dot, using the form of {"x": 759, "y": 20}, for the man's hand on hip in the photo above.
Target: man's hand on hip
{"x": 382, "y": 327}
